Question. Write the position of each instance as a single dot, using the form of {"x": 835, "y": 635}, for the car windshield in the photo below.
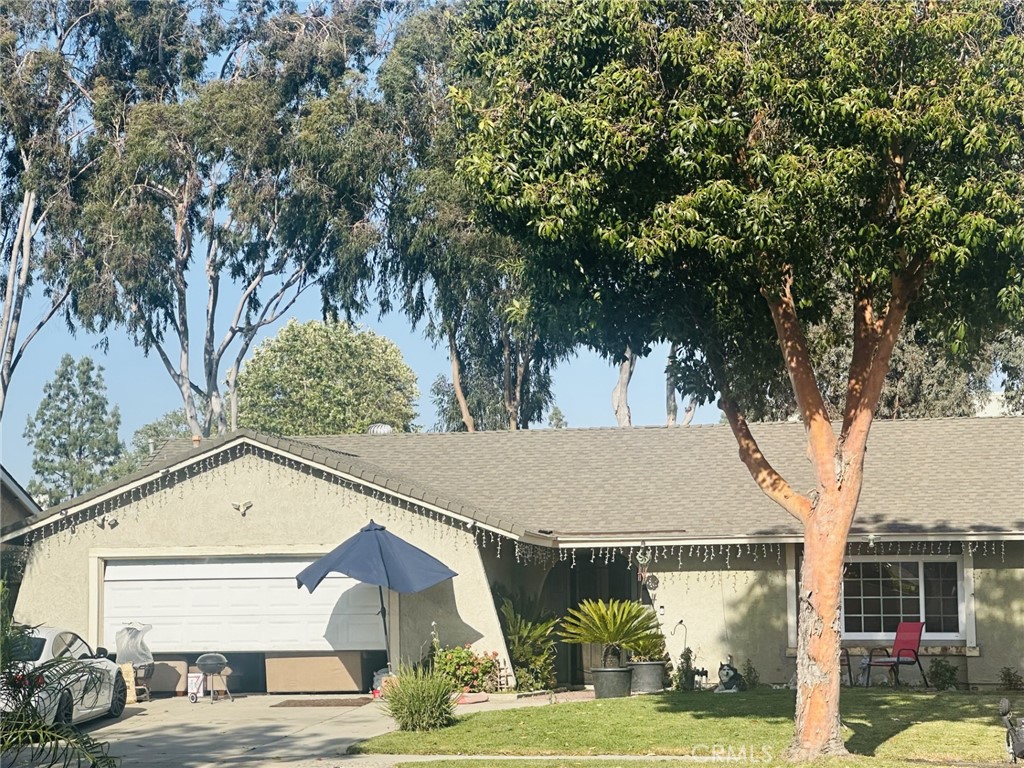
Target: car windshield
{"x": 27, "y": 648}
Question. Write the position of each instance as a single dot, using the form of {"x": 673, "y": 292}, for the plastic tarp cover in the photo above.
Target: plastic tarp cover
{"x": 131, "y": 644}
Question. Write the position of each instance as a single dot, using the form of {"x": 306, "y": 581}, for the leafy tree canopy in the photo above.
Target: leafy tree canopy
{"x": 725, "y": 175}
{"x": 326, "y": 379}
{"x": 73, "y": 434}
{"x": 443, "y": 266}
{"x": 253, "y": 167}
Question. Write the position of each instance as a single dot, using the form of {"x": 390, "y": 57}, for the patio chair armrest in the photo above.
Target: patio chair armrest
{"x": 879, "y": 652}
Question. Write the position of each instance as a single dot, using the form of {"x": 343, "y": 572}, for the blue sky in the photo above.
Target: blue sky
{"x": 143, "y": 391}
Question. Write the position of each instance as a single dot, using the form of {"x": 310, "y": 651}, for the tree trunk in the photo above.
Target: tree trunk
{"x": 460, "y": 393}
{"x": 691, "y": 409}
{"x": 818, "y": 729}
{"x": 671, "y": 404}
{"x": 620, "y": 394}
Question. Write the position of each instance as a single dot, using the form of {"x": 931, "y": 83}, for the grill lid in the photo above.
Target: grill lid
{"x": 211, "y": 663}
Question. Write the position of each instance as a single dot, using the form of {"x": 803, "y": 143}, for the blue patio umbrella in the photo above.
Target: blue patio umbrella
{"x": 376, "y": 556}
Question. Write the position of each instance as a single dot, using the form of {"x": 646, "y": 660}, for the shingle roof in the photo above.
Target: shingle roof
{"x": 955, "y": 476}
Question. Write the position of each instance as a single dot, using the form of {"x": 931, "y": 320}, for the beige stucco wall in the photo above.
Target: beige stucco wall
{"x": 999, "y": 613}
{"x": 293, "y": 513}
{"x": 740, "y": 610}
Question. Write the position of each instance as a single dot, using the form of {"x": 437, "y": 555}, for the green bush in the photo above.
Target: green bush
{"x": 1010, "y": 679}
{"x": 420, "y": 699}
{"x": 942, "y": 675}
{"x": 531, "y": 646}
{"x": 468, "y": 670}
{"x": 750, "y": 674}
{"x": 649, "y": 649}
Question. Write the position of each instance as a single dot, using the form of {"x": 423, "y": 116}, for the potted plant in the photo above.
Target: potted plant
{"x": 613, "y": 625}
{"x": 647, "y": 660}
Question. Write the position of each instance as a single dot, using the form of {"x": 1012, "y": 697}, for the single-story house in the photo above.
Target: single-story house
{"x": 205, "y": 541}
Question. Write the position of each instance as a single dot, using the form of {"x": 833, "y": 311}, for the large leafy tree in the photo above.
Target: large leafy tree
{"x": 62, "y": 64}
{"x": 452, "y": 272}
{"x": 722, "y": 175}
{"x": 326, "y": 379}
{"x": 254, "y": 179}
{"x": 73, "y": 433}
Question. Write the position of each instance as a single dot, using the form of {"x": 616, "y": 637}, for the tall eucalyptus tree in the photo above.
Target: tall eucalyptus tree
{"x": 254, "y": 179}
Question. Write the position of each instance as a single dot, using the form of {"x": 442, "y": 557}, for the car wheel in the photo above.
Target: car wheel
{"x": 118, "y": 697}
{"x": 65, "y": 714}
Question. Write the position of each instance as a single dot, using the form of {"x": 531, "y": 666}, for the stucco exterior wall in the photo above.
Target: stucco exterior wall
{"x": 292, "y": 513}
{"x": 999, "y": 614}
{"x": 739, "y": 610}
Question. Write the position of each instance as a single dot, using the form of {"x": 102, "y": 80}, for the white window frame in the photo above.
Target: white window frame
{"x": 920, "y": 560}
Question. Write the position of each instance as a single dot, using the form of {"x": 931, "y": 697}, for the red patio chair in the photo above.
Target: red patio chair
{"x": 904, "y": 651}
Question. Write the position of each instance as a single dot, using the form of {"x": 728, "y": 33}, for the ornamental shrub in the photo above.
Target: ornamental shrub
{"x": 468, "y": 670}
{"x": 531, "y": 646}
{"x": 420, "y": 699}
{"x": 942, "y": 675}
{"x": 1010, "y": 679}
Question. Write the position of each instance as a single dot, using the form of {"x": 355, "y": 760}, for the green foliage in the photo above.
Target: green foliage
{"x": 943, "y": 675}
{"x": 420, "y": 699}
{"x": 483, "y": 400}
{"x": 1010, "y": 679}
{"x": 468, "y": 670}
{"x": 649, "y": 649}
{"x": 687, "y": 166}
{"x": 173, "y": 424}
{"x": 924, "y": 379}
{"x": 556, "y": 419}
{"x": 325, "y": 379}
{"x": 444, "y": 265}
{"x": 25, "y": 733}
{"x": 750, "y": 674}
{"x": 73, "y": 434}
{"x": 260, "y": 171}
{"x": 531, "y": 647}
{"x": 615, "y": 625}
{"x": 683, "y": 677}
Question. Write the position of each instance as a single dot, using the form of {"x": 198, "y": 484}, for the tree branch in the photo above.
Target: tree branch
{"x": 793, "y": 343}
{"x": 771, "y": 483}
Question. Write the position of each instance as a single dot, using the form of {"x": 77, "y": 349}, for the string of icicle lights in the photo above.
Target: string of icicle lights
{"x": 107, "y": 514}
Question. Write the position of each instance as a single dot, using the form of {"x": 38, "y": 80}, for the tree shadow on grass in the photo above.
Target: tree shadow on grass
{"x": 950, "y": 723}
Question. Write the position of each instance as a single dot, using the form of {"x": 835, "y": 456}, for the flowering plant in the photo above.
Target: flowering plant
{"x": 469, "y": 670}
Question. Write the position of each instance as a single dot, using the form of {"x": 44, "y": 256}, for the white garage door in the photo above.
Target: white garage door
{"x": 238, "y": 605}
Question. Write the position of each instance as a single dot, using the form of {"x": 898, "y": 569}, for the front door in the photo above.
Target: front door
{"x": 565, "y": 587}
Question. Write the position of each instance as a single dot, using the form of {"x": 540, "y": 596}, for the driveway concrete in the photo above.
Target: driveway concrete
{"x": 250, "y": 732}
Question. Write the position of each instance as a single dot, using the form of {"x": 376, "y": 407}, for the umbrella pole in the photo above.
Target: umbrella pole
{"x": 384, "y": 619}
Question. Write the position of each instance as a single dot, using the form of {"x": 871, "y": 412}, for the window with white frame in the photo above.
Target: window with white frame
{"x": 880, "y": 592}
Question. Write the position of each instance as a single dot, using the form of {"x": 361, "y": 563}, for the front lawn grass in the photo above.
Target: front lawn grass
{"x": 891, "y": 726}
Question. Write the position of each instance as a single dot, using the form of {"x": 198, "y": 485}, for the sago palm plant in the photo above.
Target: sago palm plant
{"x": 614, "y": 625}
